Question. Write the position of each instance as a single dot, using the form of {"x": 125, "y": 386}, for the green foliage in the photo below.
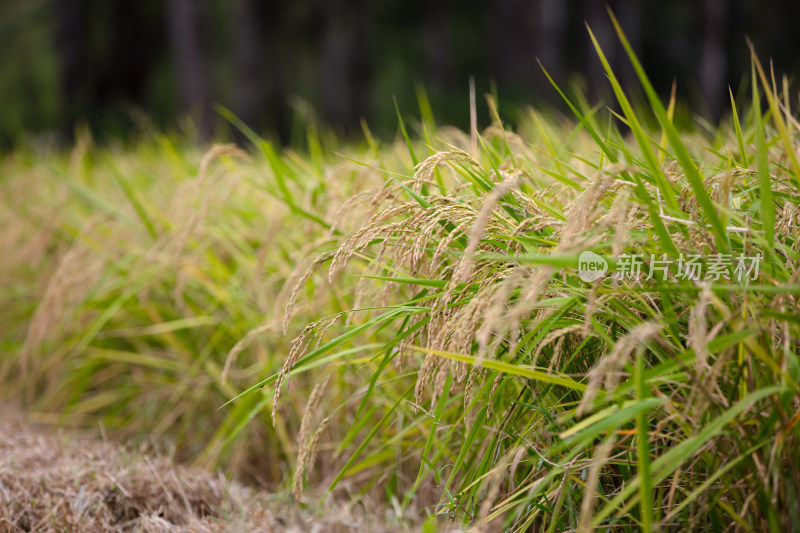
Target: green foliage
{"x": 676, "y": 399}
{"x": 130, "y": 274}
{"x": 447, "y": 354}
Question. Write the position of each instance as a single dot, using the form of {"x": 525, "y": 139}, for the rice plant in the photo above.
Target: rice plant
{"x": 659, "y": 392}
{"x": 129, "y": 275}
{"x": 578, "y": 324}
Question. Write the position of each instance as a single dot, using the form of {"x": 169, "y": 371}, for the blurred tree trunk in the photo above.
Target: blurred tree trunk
{"x": 278, "y": 55}
{"x": 629, "y": 14}
{"x": 552, "y": 18}
{"x": 514, "y": 29}
{"x": 436, "y": 45}
{"x": 248, "y": 98}
{"x": 597, "y": 18}
{"x": 525, "y": 31}
{"x": 713, "y": 63}
{"x": 344, "y": 63}
{"x": 72, "y": 64}
{"x": 189, "y": 47}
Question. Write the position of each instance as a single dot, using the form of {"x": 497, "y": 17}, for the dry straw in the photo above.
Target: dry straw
{"x": 608, "y": 370}
{"x": 307, "y": 439}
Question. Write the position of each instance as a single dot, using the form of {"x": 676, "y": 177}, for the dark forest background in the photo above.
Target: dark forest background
{"x": 121, "y": 65}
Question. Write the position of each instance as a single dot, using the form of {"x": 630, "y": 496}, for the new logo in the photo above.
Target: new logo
{"x": 591, "y": 266}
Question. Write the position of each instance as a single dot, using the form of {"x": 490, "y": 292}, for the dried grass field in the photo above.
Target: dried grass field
{"x": 66, "y": 481}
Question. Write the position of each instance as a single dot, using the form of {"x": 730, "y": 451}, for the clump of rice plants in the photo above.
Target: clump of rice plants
{"x": 571, "y": 326}
{"x": 130, "y": 273}
{"x": 579, "y": 329}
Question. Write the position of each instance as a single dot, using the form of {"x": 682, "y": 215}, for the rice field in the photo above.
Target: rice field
{"x": 583, "y": 322}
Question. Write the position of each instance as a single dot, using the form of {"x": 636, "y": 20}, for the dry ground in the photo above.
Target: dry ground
{"x": 62, "y": 481}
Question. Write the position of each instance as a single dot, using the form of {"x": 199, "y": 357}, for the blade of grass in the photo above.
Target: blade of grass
{"x": 737, "y": 126}
{"x": 762, "y": 163}
{"x": 643, "y": 436}
{"x": 777, "y": 117}
{"x": 682, "y": 154}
